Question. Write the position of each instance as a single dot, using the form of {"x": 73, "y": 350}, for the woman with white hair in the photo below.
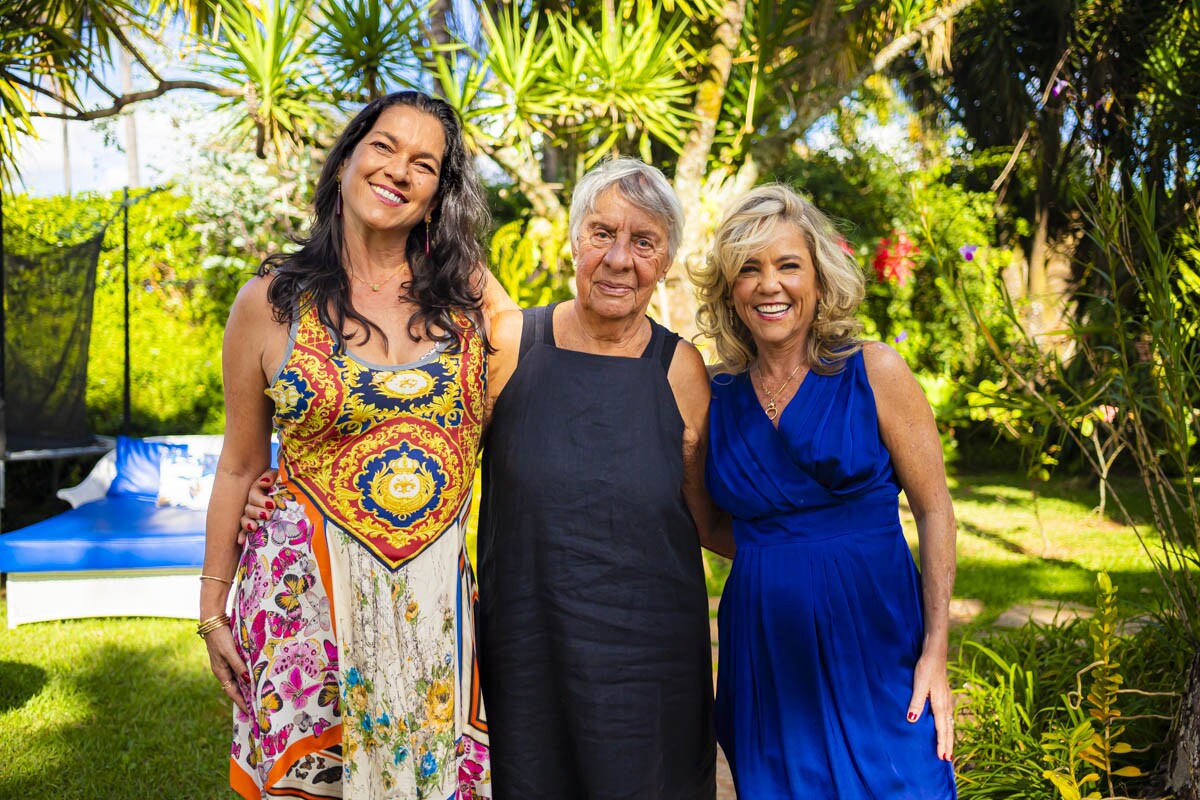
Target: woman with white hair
{"x": 593, "y": 621}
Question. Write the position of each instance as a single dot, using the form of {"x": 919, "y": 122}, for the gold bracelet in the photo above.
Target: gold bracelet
{"x": 215, "y": 578}
{"x": 211, "y": 624}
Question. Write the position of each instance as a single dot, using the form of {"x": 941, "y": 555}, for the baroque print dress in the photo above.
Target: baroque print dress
{"x": 354, "y": 603}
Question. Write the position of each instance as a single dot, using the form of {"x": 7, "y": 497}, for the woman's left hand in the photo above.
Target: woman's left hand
{"x": 930, "y": 682}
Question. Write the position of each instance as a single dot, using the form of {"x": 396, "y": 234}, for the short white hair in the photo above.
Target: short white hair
{"x": 641, "y": 184}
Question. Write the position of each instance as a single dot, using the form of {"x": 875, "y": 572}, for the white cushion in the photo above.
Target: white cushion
{"x": 186, "y": 479}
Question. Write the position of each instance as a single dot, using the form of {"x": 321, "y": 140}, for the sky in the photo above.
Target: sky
{"x": 168, "y": 128}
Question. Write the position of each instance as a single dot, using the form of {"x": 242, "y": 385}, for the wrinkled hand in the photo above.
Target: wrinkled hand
{"x": 930, "y": 683}
{"x": 259, "y": 504}
{"x": 228, "y": 666}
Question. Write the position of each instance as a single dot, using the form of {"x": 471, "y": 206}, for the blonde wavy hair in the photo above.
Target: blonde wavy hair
{"x": 750, "y": 226}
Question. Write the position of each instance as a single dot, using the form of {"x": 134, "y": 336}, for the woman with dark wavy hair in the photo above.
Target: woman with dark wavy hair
{"x": 350, "y": 653}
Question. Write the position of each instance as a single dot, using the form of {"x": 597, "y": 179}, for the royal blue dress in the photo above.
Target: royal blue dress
{"x": 820, "y": 622}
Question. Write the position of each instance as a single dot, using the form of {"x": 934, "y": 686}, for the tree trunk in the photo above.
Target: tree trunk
{"x": 1183, "y": 773}
{"x": 678, "y": 301}
{"x": 1036, "y": 283}
{"x": 131, "y": 143}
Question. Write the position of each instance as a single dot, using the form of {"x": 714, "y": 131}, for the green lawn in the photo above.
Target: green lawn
{"x": 114, "y": 708}
{"x": 126, "y": 708}
{"x": 1005, "y": 556}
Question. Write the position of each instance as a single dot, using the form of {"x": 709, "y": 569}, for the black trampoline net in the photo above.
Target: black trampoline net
{"x": 48, "y": 295}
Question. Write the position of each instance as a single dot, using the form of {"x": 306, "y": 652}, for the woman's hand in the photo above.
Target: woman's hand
{"x": 930, "y": 682}
{"x": 227, "y": 665}
{"x": 259, "y": 504}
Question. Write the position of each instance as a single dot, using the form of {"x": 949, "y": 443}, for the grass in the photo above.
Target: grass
{"x": 113, "y": 708}
{"x": 126, "y": 708}
{"x": 1013, "y": 550}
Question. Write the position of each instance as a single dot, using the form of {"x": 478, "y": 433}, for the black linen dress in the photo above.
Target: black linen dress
{"x": 594, "y": 641}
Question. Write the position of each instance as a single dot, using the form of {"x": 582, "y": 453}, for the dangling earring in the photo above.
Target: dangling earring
{"x": 428, "y": 231}
{"x": 337, "y": 204}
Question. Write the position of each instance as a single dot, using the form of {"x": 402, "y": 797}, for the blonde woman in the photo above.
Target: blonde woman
{"x": 832, "y": 677}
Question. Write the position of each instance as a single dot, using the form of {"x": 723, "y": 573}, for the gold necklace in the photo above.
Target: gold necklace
{"x": 375, "y": 287}
{"x": 771, "y": 409}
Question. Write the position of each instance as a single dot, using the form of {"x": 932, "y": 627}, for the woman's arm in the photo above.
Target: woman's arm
{"x": 496, "y": 301}
{"x": 908, "y": 431}
{"x": 245, "y": 452}
{"x": 689, "y": 381}
{"x": 506, "y": 339}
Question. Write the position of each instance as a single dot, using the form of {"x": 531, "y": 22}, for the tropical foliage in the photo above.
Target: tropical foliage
{"x": 1068, "y": 711}
{"x": 546, "y": 88}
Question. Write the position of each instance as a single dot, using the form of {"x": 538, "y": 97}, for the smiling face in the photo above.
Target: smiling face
{"x": 390, "y": 181}
{"x": 776, "y": 290}
{"x": 620, "y": 254}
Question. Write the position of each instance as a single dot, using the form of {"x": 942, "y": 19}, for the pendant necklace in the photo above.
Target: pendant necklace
{"x": 771, "y": 409}
{"x": 375, "y": 286}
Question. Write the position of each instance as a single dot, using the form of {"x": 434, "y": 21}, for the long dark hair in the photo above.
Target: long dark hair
{"x": 444, "y": 281}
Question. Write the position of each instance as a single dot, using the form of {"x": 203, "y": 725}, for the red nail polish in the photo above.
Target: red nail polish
{"x": 270, "y": 505}
{"x": 246, "y": 677}
{"x": 251, "y": 525}
{"x": 912, "y": 717}
{"x": 262, "y": 515}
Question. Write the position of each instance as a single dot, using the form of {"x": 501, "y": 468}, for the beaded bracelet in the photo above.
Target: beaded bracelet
{"x": 211, "y": 624}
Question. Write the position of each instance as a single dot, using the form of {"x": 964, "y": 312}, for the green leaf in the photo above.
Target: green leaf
{"x": 1066, "y": 788}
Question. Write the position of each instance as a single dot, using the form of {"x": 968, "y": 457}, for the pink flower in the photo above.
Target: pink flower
{"x": 1106, "y": 412}
{"x": 1059, "y": 87}
{"x": 967, "y": 251}
{"x": 892, "y": 258}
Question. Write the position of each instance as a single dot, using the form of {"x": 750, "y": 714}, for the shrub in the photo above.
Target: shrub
{"x": 1053, "y": 711}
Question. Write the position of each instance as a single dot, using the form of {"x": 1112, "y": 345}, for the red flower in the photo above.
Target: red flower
{"x": 892, "y": 260}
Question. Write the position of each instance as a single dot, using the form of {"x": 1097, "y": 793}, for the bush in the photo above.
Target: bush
{"x": 1049, "y": 710}
{"x": 177, "y": 311}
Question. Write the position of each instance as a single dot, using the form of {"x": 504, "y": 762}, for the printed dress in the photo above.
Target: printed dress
{"x": 354, "y": 604}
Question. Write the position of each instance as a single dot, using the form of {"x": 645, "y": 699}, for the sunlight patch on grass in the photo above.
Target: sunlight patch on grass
{"x": 112, "y": 708}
